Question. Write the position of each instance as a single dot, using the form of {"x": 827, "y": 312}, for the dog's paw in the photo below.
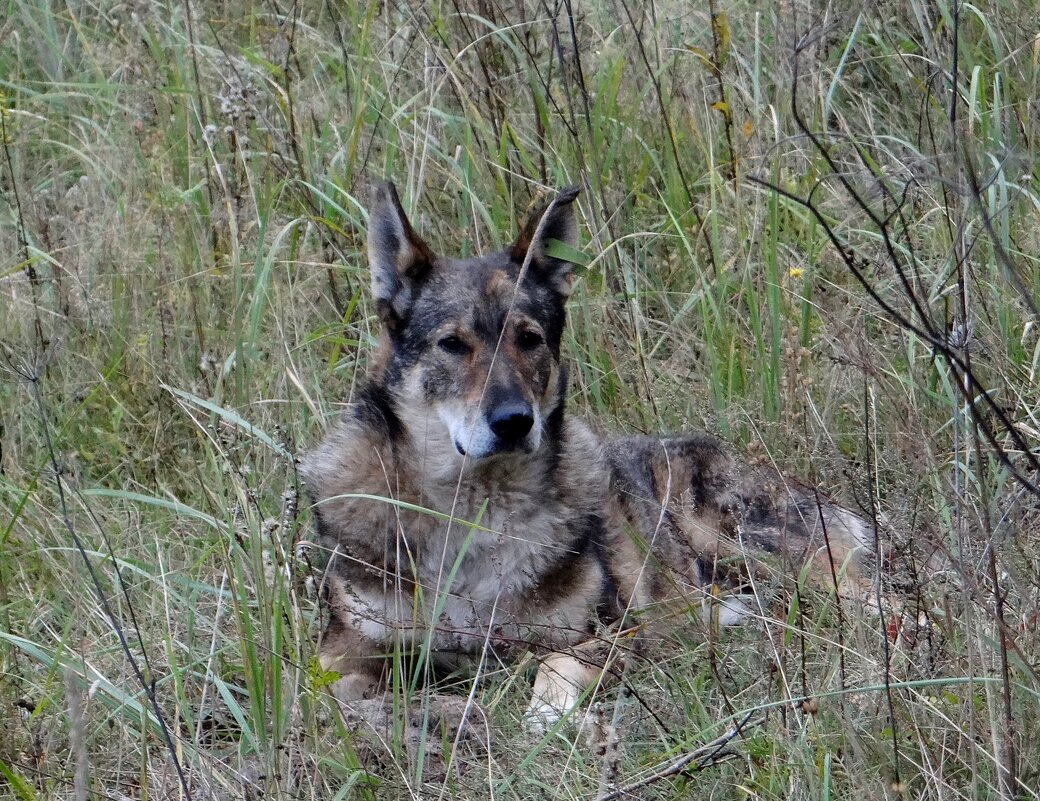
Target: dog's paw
{"x": 728, "y": 610}
{"x": 541, "y": 717}
{"x": 458, "y": 718}
{"x": 441, "y": 717}
{"x": 372, "y": 713}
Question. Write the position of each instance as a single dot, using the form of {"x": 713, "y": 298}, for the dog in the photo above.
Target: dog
{"x": 466, "y": 515}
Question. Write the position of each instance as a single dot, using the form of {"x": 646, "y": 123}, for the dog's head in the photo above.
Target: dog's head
{"x": 472, "y": 346}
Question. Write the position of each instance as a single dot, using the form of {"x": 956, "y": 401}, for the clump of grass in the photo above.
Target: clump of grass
{"x": 182, "y": 269}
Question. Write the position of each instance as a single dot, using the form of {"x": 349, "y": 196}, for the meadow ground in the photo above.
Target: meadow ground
{"x": 810, "y": 228}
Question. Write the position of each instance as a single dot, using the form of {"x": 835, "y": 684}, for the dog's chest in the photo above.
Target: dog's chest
{"x": 494, "y": 545}
{"x": 464, "y": 570}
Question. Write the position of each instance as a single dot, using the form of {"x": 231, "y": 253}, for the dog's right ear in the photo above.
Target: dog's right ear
{"x": 553, "y": 220}
{"x": 398, "y": 258}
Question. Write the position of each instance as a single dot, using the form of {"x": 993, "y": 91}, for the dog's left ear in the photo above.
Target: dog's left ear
{"x": 559, "y": 225}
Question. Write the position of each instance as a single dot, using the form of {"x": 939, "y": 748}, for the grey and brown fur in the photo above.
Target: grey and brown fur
{"x": 465, "y": 514}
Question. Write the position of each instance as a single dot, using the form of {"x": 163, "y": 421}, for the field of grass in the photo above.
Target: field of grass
{"x": 812, "y": 229}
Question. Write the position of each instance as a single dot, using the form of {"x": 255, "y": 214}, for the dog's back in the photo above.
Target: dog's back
{"x": 687, "y": 521}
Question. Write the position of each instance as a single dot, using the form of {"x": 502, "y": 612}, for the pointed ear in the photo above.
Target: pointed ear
{"x": 553, "y": 220}
{"x": 397, "y": 256}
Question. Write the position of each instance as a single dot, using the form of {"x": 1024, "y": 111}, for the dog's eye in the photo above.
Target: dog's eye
{"x": 452, "y": 344}
{"x": 528, "y": 340}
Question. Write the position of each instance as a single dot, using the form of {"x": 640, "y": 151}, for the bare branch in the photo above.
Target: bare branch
{"x": 704, "y": 757}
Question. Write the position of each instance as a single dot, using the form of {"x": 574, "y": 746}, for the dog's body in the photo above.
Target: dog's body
{"x": 465, "y": 514}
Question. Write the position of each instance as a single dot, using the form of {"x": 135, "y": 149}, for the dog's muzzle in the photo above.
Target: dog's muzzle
{"x": 506, "y": 427}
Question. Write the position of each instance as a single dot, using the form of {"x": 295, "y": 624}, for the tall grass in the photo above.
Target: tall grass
{"x": 183, "y": 279}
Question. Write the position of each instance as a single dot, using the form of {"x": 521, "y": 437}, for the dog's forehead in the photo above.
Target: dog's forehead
{"x": 477, "y": 293}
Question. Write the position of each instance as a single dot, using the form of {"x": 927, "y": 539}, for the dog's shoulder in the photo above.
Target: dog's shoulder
{"x": 352, "y": 470}
{"x": 353, "y": 455}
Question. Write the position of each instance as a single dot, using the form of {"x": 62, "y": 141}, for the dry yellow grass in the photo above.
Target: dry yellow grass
{"x": 184, "y": 304}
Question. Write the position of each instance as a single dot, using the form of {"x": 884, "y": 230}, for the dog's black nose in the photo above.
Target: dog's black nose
{"x": 511, "y": 421}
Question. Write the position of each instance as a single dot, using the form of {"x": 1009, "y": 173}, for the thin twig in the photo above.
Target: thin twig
{"x": 23, "y": 238}
{"x": 77, "y": 737}
{"x": 886, "y": 650}
{"x": 717, "y": 56}
{"x": 707, "y": 755}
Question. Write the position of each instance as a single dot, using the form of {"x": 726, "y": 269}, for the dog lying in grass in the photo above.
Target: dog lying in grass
{"x": 466, "y": 515}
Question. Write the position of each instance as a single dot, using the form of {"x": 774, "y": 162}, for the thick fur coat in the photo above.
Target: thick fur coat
{"x": 466, "y": 515}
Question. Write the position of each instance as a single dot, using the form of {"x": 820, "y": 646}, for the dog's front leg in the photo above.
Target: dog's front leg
{"x": 558, "y": 686}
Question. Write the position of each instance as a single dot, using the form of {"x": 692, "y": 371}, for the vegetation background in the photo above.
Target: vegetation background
{"x": 812, "y": 228}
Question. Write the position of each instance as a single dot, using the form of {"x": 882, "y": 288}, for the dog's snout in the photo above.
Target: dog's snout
{"x": 511, "y": 421}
